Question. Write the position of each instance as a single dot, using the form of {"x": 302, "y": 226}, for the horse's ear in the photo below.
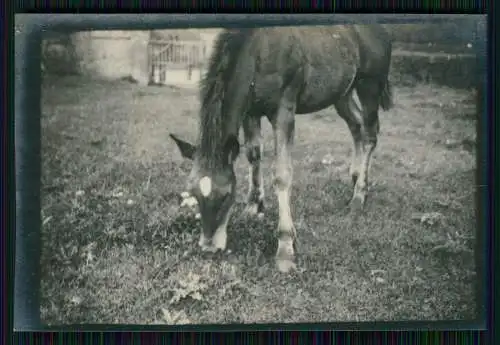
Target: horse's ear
{"x": 231, "y": 149}
{"x": 187, "y": 150}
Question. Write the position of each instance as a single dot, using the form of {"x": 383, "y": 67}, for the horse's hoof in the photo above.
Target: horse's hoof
{"x": 354, "y": 178}
{"x": 213, "y": 256}
{"x": 252, "y": 210}
{"x": 356, "y": 206}
{"x": 209, "y": 249}
{"x": 285, "y": 265}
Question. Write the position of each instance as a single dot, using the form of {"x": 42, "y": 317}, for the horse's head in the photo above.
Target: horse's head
{"x": 214, "y": 190}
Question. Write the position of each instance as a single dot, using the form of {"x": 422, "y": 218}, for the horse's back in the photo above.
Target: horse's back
{"x": 369, "y": 46}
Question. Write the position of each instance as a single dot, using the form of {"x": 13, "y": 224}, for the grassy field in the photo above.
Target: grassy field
{"x": 117, "y": 249}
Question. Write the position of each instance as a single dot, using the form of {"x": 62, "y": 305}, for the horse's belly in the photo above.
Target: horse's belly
{"x": 267, "y": 93}
{"x": 323, "y": 87}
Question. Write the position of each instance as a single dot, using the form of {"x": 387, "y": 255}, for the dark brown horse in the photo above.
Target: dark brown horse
{"x": 279, "y": 72}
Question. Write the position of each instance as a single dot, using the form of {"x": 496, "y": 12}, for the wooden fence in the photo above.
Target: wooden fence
{"x": 173, "y": 62}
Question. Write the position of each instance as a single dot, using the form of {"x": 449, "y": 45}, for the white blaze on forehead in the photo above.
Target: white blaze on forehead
{"x": 205, "y": 185}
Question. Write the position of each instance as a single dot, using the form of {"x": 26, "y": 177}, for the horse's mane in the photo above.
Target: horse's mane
{"x": 223, "y": 60}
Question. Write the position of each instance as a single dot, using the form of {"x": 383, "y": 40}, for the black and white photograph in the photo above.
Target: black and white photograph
{"x": 286, "y": 174}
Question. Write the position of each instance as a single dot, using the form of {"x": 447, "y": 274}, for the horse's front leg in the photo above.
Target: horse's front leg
{"x": 284, "y": 128}
{"x": 253, "y": 143}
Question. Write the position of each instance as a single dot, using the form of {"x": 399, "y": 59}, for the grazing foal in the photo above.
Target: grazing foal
{"x": 277, "y": 73}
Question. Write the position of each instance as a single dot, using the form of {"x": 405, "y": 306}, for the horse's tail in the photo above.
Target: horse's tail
{"x": 386, "y": 101}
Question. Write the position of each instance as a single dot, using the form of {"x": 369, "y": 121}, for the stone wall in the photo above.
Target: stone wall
{"x": 112, "y": 54}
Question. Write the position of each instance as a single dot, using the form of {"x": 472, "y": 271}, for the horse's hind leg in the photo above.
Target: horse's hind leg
{"x": 253, "y": 143}
{"x": 353, "y": 117}
{"x": 369, "y": 95}
{"x": 361, "y": 116}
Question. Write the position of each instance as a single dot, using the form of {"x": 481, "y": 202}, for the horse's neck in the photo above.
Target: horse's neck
{"x": 232, "y": 124}
{"x": 237, "y": 101}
